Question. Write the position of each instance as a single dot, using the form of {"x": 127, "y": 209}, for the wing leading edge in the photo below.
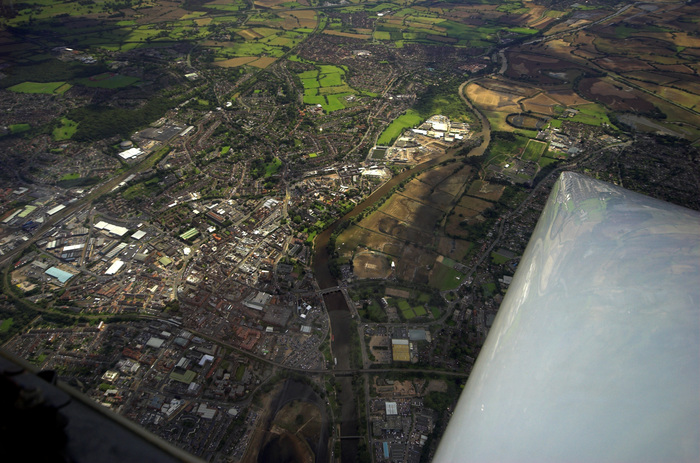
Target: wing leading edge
{"x": 595, "y": 352}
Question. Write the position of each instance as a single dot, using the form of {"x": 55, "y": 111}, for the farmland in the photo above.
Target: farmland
{"x": 235, "y": 134}
{"x": 407, "y": 225}
{"x": 418, "y": 25}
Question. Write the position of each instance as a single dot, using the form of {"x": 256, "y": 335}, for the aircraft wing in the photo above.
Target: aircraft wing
{"x": 594, "y": 355}
{"x": 44, "y": 420}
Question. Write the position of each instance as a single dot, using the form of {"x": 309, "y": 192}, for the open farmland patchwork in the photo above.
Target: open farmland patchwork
{"x": 180, "y": 178}
{"x": 410, "y": 219}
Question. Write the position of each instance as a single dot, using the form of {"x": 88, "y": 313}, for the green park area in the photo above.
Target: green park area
{"x": 145, "y": 189}
{"x": 272, "y": 167}
{"x": 72, "y": 176}
{"x": 591, "y": 114}
{"x": 504, "y": 145}
{"x": 326, "y": 86}
{"x": 410, "y": 312}
{"x": 437, "y": 100}
{"x": 5, "y": 325}
{"x": 489, "y": 289}
{"x": 19, "y": 128}
{"x": 233, "y": 5}
{"x": 534, "y": 150}
{"x": 66, "y": 130}
{"x": 259, "y": 41}
{"x": 444, "y": 277}
{"x": 57, "y": 88}
{"x": 410, "y": 118}
{"x": 265, "y": 168}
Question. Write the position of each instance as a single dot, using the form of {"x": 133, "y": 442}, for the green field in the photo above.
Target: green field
{"x": 498, "y": 259}
{"x": 310, "y": 83}
{"x": 315, "y": 99}
{"x": 66, "y": 130}
{"x": 143, "y": 189}
{"x": 273, "y": 43}
{"x": 72, "y": 176}
{"x": 504, "y": 146}
{"x": 19, "y": 128}
{"x": 410, "y": 118}
{"x": 444, "y": 278}
{"x": 335, "y": 101}
{"x": 326, "y": 86}
{"x": 417, "y": 27}
{"x": 271, "y": 168}
{"x": 623, "y": 32}
{"x": 523, "y": 30}
{"x": 224, "y": 7}
{"x": 331, "y": 80}
{"x": 41, "y": 87}
{"x": 42, "y": 10}
{"x": 409, "y": 312}
{"x": 382, "y": 35}
{"x": 312, "y": 74}
{"x": 489, "y": 289}
{"x": 534, "y": 150}
{"x": 591, "y": 114}
{"x": 5, "y": 325}
{"x": 545, "y": 161}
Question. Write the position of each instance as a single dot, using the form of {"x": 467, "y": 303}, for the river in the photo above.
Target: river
{"x": 340, "y": 316}
{"x": 282, "y": 449}
{"x": 338, "y": 310}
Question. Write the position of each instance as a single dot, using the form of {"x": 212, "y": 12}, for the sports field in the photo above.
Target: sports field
{"x": 57, "y": 88}
{"x": 533, "y": 150}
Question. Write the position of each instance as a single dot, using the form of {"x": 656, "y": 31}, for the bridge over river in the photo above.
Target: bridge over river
{"x": 335, "y": 297}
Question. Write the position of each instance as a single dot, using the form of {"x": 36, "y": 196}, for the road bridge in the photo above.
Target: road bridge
{"x": 329, "y": 290}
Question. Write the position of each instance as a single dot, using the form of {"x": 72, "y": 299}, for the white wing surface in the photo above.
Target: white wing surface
{"x": 594, "y": 355}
